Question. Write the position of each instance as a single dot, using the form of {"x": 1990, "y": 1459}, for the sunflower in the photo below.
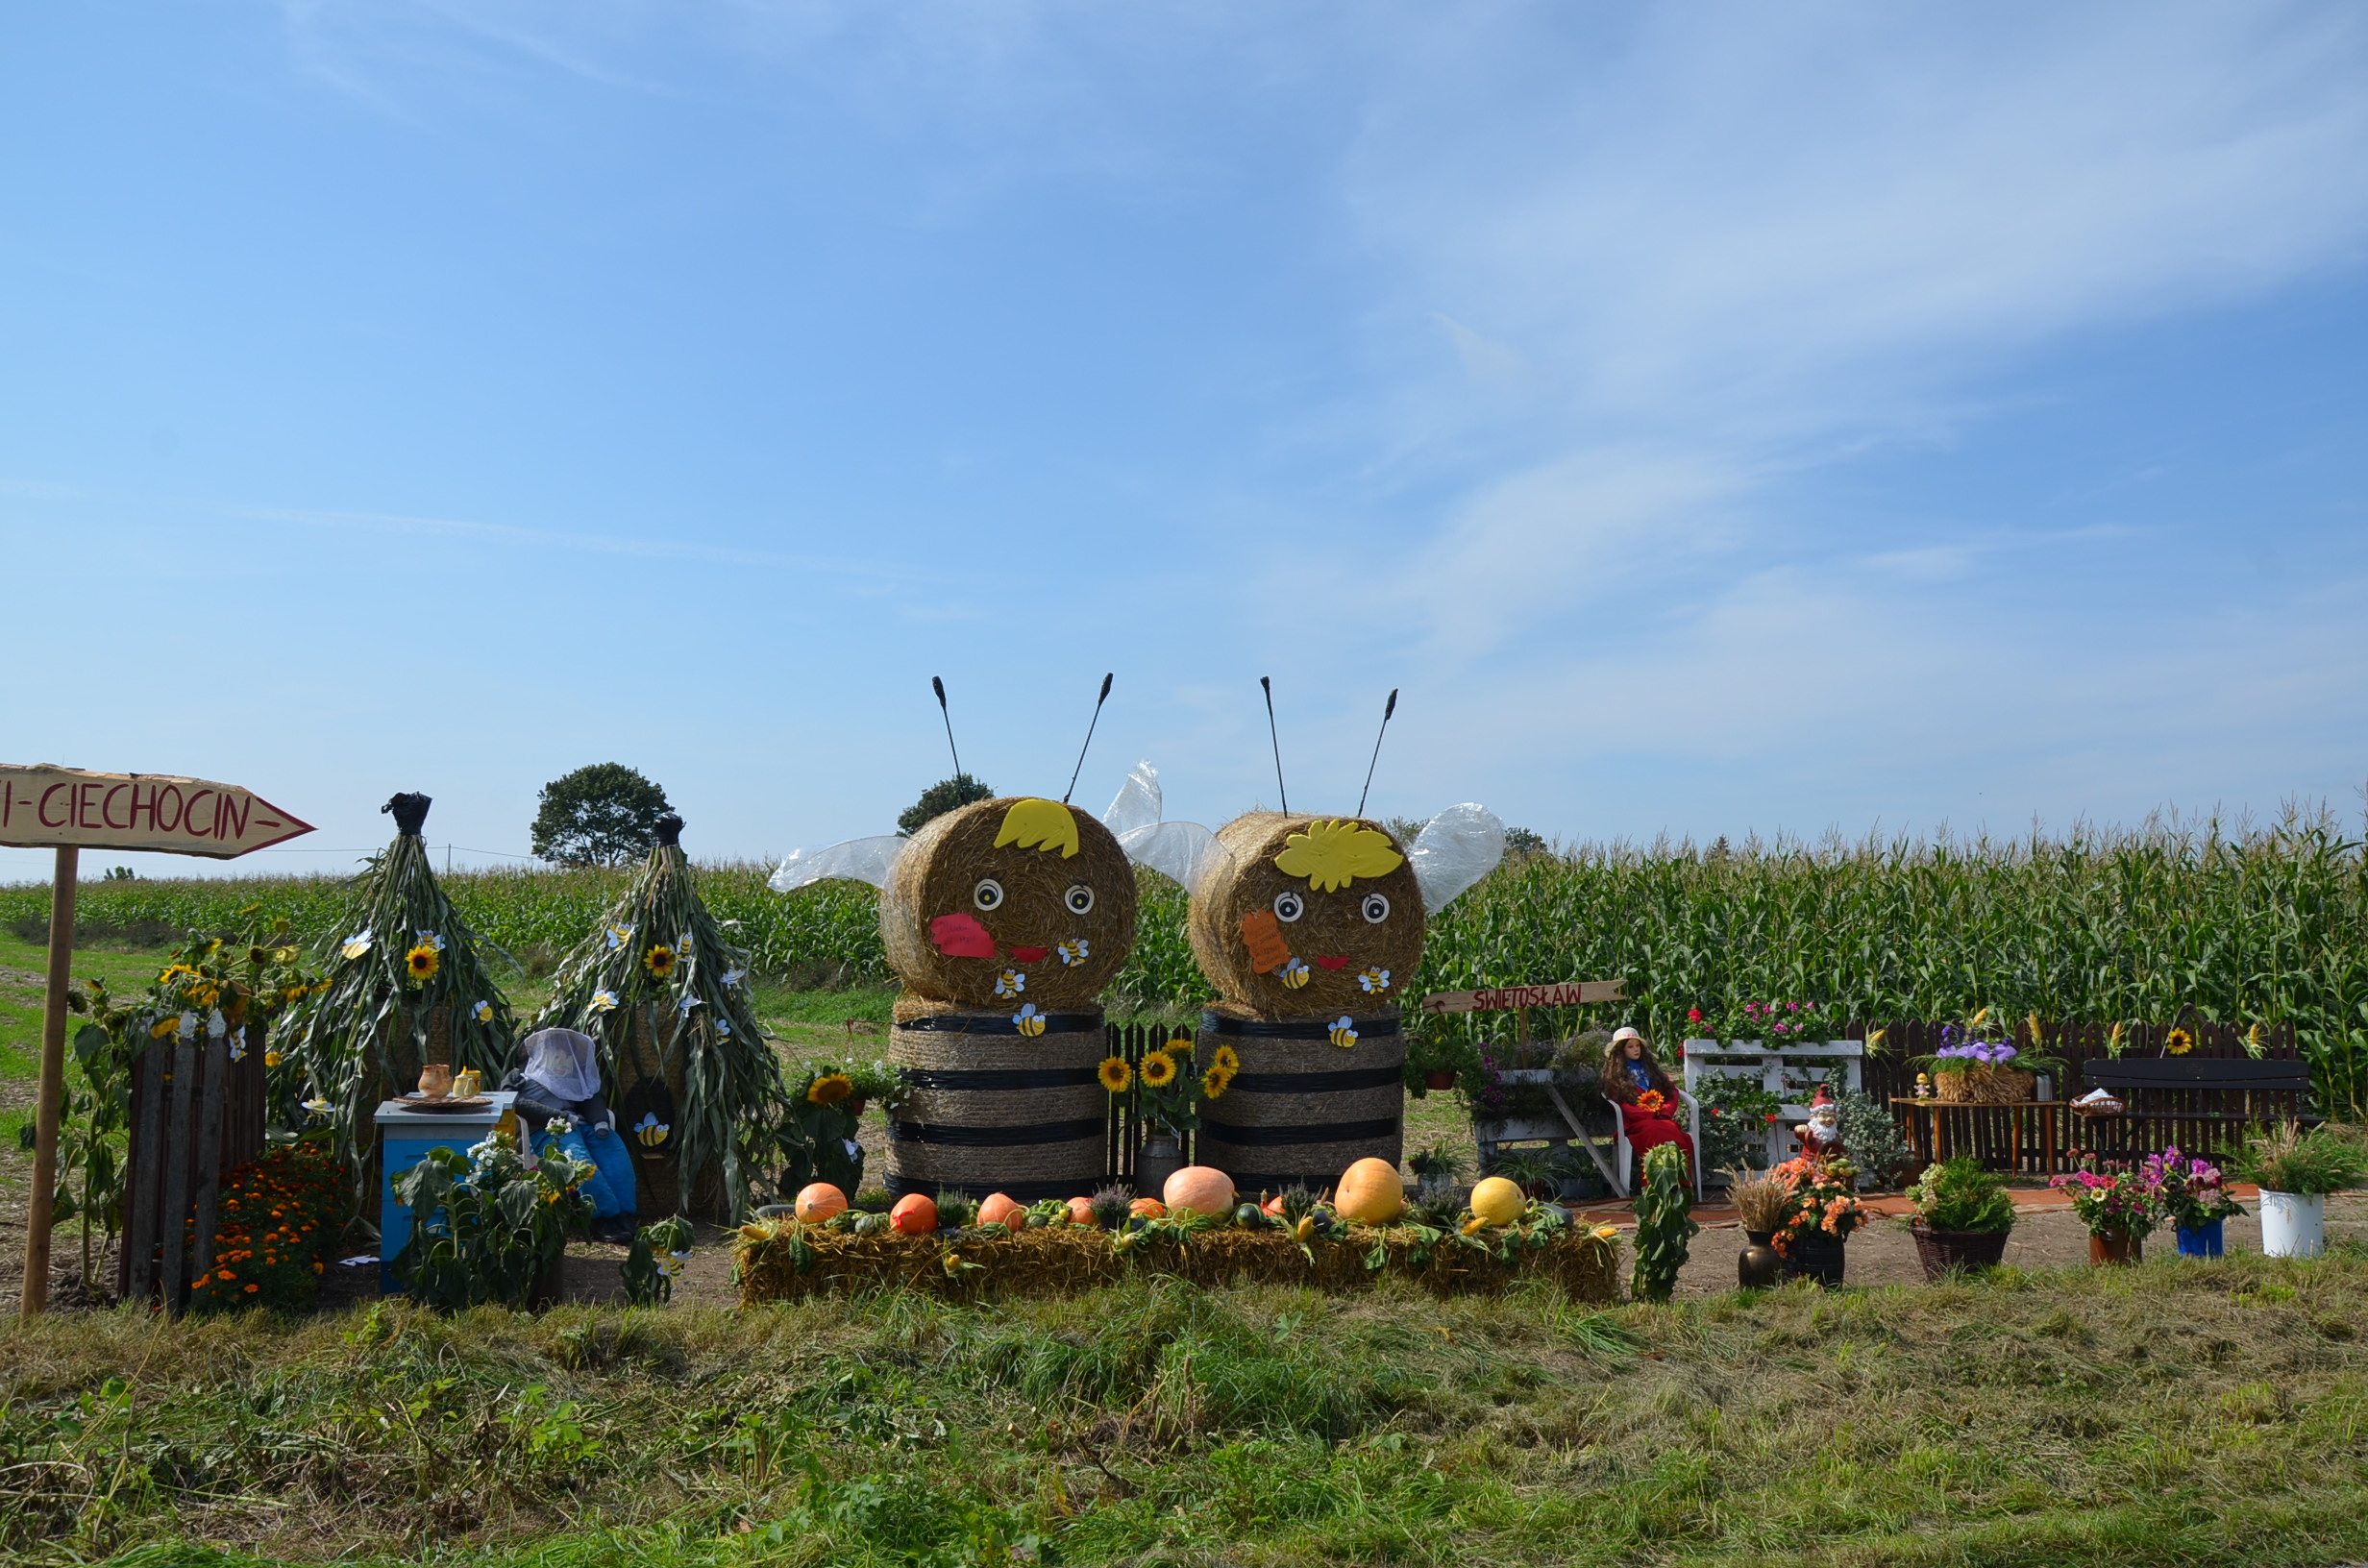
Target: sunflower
{"x": 830, "y": 1088}
{"x": 1228, "y": 1059}
{"x": 1115, "y": 1074}
{"x": 2178, "y": 1042}
{"x": 659, "y": 961}
{"x": 421, "y": 964}
{"x": 1213, "y": 1083}
{"x": 1158, "y": 1070}
{"x": 1652, "y": 1099}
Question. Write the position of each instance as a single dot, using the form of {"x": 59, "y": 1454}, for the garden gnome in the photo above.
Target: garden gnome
{"x": 1820, "y": 1136}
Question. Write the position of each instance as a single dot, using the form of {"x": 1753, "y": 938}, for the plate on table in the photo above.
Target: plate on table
{"x": 449, "y": 1104}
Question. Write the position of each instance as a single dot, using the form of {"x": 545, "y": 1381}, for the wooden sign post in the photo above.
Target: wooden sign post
{"x": 1520, "y": 999}
{"x": 64, "y": 809}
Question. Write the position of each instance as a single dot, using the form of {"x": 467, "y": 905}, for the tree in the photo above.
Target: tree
{"x": 944, "y": 795}
{"x": 603, "y": 814}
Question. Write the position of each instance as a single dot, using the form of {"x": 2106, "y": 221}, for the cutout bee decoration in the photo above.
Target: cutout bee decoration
{"x": 1003, "y": 919}
{"x": 1307, "y": 927}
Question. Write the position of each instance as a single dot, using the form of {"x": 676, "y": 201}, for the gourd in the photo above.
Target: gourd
{"x": 817, "y": 1202}
{"x": 1001, "y": 1209}
{"x": 1370, "y": 1192}
{"x": 915, "y": 1214}
{"x": 1498, "y": 1201}
{"x": 1202, "y": 1190}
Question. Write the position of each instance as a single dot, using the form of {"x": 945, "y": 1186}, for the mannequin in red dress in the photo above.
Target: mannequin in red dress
{"x": 1648, "y": 1102}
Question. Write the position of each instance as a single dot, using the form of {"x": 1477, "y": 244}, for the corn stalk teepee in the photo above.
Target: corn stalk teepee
{"x": 690, "y": 1073}
{"x": 405, "y": 987}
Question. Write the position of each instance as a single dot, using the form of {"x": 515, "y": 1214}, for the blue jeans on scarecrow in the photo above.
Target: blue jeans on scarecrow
{"x": 610, "y": 1185}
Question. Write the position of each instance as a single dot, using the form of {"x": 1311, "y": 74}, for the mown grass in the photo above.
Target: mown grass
{"x": 2174, "y": 1413}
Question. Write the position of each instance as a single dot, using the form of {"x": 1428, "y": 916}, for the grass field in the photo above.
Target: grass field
{"x": 2172, "y": 1415}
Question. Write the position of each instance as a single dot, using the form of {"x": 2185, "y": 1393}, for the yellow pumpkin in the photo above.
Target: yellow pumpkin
{"x": 1001, "y": 1209}
{"x": 1369, "y": 1194}
{"x": 1204, "y": 1190}
{"x": 819, "y": 1202}
{"x": 1498, "y": 1201}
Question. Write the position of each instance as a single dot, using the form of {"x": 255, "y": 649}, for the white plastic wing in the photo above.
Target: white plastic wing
{"x": 1180, "y": 850}
{"x": 861, "y": 860}
{"x": 1462, "y": 844}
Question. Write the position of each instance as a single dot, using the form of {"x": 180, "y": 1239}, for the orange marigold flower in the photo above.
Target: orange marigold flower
{"x": 251, "y": 1289}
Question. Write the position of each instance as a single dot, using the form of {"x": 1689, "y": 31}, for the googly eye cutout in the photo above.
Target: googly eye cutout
{"x": 1289, "y": 906}
{"x": 1377, "y": 908}
{"x": 1078, "y": 900}
{"x": 988, "y": 895}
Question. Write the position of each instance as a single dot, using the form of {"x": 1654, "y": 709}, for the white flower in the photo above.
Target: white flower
{"x": 483, "y": 1011}
{"x": 355, "y": 944}
{"x": 604, "y": 1001}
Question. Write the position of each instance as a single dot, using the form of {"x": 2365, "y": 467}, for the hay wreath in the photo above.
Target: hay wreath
{"x": 404, "y": 987}
{"x": 690, "y": 1073}
{"x": 786, "y": 1261}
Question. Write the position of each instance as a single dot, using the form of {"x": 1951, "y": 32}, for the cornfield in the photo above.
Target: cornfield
{"x": 2240, "y": 926}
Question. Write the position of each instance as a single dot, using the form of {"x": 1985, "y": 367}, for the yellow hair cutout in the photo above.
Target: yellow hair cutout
{"x": 1040, "y": 825}
{"x": 1332, "y": 854}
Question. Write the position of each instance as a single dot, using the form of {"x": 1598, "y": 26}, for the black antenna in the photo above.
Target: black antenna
{"x": 939, "y": 687}
{"x": 1268, "y": 686}
{"x": 1388, "y": 709}
{"x": 1089, "y": 741}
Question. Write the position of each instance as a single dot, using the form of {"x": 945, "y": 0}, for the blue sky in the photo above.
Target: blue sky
{"x": 1716, "y": 420}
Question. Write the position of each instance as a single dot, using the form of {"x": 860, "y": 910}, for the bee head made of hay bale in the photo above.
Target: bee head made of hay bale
{"x": 1009, "y": 903}
{"x": 1304, "y": 917}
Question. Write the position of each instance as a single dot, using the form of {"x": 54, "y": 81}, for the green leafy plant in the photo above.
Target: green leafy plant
{"x": 1871, "y": 1135}
{"x": 1958, "y": 1195}
{"x": 484, "y": 1228}
{"x": 2291, "y": 1159}
{"x": 1665, "y": 1223}
{"x": 945, "y": 795}
{"x": 603, "y": 814}
{"x": 658, "y": 1254}
{"x": 1737, "y": 1113}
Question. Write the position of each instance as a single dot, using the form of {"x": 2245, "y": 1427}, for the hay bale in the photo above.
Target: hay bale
{"x": 988, "y": 1108}
{"x": 1018, "y": 870}
{"x": 1301, "y": 1109}
{"x": 1333, "y": 935}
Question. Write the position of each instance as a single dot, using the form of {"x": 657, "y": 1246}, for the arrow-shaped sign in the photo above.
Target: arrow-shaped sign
{"x": 48, "y": 807}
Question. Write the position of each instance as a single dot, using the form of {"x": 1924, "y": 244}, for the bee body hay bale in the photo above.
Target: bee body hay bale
{"x": 988, "y": 1108}
{"x": 1301, "y": 1109}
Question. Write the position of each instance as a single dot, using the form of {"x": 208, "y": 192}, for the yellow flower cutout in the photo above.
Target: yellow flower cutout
{"x": 271, "y": 1059}
{"x": 830, "y": 1088}
{"x": 1229, "y": 1058}
{"x": 1158, "y": 1070}
{"x": 421, "y": 963}
{"x": 1115, "y": 1074}
{"x": 2178, "y": 1042}
{"x": 1040, "y": 825}
{"x": 1213, "y": 1081}
{"x": 1332, "y": 854}
{"x": 659, "y": 961}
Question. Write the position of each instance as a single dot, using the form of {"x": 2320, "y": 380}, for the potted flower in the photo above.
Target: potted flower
{"x": 1820, "y": 1210}
{"x": 1962, "y": 1215}
{"x": 2118, "y": 1209}
{"x": 2296, "y": 1171}
{"x": 1973, "y": 1066}
{"x": 2190, "y": 1192}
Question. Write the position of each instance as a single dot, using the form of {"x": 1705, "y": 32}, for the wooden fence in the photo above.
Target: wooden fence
{"x": 2039, "y": 1141}
{"x": 1128, "y": 1126}
{"x": 196, "y": 1115}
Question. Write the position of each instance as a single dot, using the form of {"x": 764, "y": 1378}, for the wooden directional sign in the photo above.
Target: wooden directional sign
{"x": 1501, "y": 998}
{"x": 44, "y": 807}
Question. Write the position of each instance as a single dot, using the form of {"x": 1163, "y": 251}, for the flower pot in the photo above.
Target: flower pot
{"x": 2199, "y": 1241}
{"x": 1817, "y": 1256}
{"x": 855, "y": 1105}
{"x": 2293, "y": 1224}
{"x": 1758, "y": 1265}
{"x": 1439, "y": 1078}
{"x": 1940, "y": 1251}
{"x": 2112, "y": 1248}
{"x": 1162, "y": 1157}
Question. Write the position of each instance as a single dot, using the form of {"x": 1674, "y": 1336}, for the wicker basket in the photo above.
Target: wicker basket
{"x": 1980, "y": 1085}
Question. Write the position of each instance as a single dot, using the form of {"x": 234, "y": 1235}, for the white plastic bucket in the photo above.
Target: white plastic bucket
{"x": 2293, "y": 1224}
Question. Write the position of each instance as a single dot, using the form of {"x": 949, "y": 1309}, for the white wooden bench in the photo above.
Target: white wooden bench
{"x": 1753, "y": 1059}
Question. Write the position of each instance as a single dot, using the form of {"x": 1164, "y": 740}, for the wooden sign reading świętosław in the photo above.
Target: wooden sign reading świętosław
{"x": 44, "y": 807}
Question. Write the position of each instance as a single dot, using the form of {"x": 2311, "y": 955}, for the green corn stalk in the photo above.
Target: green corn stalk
{"x": 1665, "y": 1223}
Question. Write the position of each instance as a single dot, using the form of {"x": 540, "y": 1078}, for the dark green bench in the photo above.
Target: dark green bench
{"x": 2203, "y": 1104}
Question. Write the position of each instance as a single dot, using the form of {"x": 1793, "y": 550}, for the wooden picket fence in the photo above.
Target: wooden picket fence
{"x": 196, "y": 1115}
{"x": 1128, "y": 1127}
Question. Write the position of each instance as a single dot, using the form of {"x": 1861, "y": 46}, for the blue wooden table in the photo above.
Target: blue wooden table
{"x": 405, "y": 1138}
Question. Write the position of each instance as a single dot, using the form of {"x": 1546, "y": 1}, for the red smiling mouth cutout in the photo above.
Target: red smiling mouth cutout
{"x": 1029, "y": 955}
{"x": 1331, "y": 962}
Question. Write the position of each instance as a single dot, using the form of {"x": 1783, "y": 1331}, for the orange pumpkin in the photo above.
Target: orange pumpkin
{"x": 1203, "y": 1190}
{"x": 915, "y": 1214}
{"x": 1148, "y": 1209}
{"x": 1081, "y": 1210}
{"x": 1000, "y": 1209}
{"x": 819, "y": 1202}
{"x": 1371, "y": 1193}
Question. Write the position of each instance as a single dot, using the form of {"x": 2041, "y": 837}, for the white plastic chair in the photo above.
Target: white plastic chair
{"x": 1623, "y": 1156}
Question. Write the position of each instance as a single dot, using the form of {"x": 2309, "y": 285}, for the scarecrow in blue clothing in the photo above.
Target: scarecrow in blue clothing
{"x": 559, "y": 1104}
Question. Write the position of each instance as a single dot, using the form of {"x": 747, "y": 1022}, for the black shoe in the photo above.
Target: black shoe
{"x": 616, "y": 1228}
